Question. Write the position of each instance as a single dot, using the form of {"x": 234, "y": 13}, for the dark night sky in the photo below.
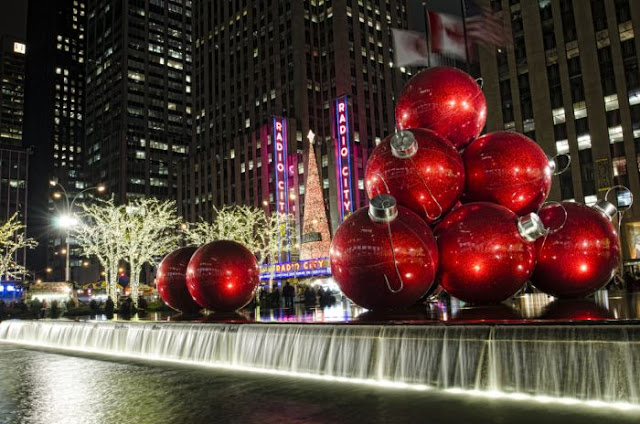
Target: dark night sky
{"x": 13, "y": 18}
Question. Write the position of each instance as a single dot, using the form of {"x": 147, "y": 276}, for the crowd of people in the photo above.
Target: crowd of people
{"x": 289, "y": 295}
{"x": 37, "y": 309}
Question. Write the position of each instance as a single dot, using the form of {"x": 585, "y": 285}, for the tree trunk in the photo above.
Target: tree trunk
{"x": 135, "y": 281}
{"x": 113, "y": 280}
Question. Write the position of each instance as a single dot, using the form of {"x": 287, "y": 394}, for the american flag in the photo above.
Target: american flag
{"x": 446, "y": 32}
{"x": 485, "y": 26}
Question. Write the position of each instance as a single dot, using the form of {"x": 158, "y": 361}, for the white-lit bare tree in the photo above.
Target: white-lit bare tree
{"x": 150, "y": 232}
{"x": 100, "y": 233}
{"x": 264, "y": 235}
{"x": 12, "y": 240}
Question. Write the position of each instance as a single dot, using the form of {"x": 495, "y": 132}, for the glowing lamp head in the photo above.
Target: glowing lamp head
{"x": 67, "y": 221}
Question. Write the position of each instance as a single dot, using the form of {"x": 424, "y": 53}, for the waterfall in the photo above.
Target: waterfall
{"x": 585, "y": 362}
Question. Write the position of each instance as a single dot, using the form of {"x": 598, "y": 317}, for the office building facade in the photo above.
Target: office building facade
{"x": 54, "y": 130}
{"x": 12, "y": 76}
{"x": 571, "y": 82}
{"x": 298, "y": 60}
{"x": 138, "y": 107}
{"x": 14, "y": 158}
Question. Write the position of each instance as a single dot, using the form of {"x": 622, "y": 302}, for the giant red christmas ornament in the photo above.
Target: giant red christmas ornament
{"x": 486, "y": 252}
{"x": 445, "y": 100}
{"x": 509, "y": 169}
{"x": 223, "y": 276}
{"x": 171, "y": 281}
{"x": 581, "y": 254}
{"x": 384, "y": 256}
{"x": 422, "y": 170}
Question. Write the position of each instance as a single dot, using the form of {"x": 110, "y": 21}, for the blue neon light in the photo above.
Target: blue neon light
{"x": 285, "y": 183}
{"x": 300, "y": 269}
{"x": 344, "y": 209}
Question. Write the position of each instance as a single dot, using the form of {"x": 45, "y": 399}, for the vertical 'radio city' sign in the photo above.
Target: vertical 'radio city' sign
{"x": 343, "y": 157}
{"x": 282, "y": 179}
{"x": 280, "y": 160}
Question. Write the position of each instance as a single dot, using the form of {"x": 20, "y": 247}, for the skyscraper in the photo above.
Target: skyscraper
{"x": 12, "y": 75}
{"x": 54, "y": 123}
{"x": 138, "y": 117}
{"x": 14, "y": 158}
{"x": 317, "y": 64}
{"x": 571, "y": 82}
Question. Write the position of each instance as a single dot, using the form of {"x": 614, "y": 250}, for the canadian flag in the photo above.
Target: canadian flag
{"x": 447, "y": 35}
{"x": 410, "y": 48}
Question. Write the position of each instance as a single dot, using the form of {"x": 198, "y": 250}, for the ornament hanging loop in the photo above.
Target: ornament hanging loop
{"x": 555, "y": 168}
{"x": 386, "y": 186}
{"x": 424, "y": 183}
{"x": 566, "y": 215}
{"x": 383, "y": 209}
{"x": 622, "y": 189}
{"x": 550, "y": 231}
{"x": 480, "y": 82}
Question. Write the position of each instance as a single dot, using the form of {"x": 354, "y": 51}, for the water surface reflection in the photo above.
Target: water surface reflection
{"x": 47, "y": 388}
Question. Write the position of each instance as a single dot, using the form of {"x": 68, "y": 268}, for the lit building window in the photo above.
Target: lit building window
{"x": 562, "y": 146}
{"x": 619, "y": 166}
{"x": 584, "y": 142}
{"x": 590, "y": 200}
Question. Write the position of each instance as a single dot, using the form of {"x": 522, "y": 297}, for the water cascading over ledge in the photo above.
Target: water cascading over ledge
{"x": 586, "y": 362}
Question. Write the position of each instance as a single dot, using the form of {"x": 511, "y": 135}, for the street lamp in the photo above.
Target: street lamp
{"x": 68, "y": 220}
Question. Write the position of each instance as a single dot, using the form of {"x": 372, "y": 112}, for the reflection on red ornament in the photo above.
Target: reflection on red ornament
{"x": 581, "y": 256}
{"x": 576, "y": 310}
{"x": 171, "y": 281}
{"x": 487, "y": 313}
{"x": 223, "y": 276}
{"x": 486, "y": 252}
{"x": 422, "y": 170}
{"x": 509, "y": 169}
{"x": 383, "y": 256}
{"x": 445, "y": 100}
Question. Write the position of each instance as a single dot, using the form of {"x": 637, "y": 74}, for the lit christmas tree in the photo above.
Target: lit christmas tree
{"x": 316, "y": 238}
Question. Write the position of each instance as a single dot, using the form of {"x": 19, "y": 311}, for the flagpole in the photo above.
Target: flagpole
{"x": 427, "y": 30}
{"x": 464, "y": 29}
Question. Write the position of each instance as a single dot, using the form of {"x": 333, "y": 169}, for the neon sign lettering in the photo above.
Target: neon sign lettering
{"x": 343, "y": 158}
{"x": 282, "y": 183}
{"x": 306, "y": 268}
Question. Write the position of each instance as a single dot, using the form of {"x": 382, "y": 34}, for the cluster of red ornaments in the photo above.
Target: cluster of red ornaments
{"x": 219, "y": 276}
{"x": 449, "y": 207}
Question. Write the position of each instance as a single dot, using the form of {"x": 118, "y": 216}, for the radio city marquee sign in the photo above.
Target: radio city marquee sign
{"x": 306, "y": 268}
{"x": 343, "y": 157}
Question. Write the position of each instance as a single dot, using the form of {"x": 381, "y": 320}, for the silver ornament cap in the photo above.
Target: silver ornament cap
{"x": 553, "y": 166}
{"x": 608, "y": 209}
{"x": 531, "y": 227}
{"x": 383, "y": 208}
{"x": 403, "y": 144}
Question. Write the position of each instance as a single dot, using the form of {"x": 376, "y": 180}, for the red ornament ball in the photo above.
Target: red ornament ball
{"x": 223, "y": 276}
{"x": 507, "y": 168}
{"x": 384, "y": 256}
{"x": 580, "y": 256}
{"x": 445, "y": 100}
{"x": 484, "y": 255}
{"x": 171, "y": 280}
{"x": 422, "y": 170}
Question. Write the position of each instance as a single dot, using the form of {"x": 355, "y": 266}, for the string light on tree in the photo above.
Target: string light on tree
{"x": 316, "y": 238}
